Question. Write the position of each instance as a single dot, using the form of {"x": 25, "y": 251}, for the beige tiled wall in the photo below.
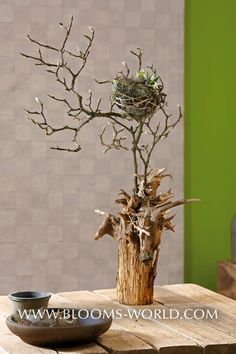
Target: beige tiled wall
{"x": 47, "y": 198}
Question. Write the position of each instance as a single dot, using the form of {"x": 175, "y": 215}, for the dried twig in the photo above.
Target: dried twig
{"x": 139, "y": 56}
{"x": 117, "y": 138}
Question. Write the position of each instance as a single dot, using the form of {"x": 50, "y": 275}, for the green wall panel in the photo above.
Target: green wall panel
{"x": 210, "y": 135}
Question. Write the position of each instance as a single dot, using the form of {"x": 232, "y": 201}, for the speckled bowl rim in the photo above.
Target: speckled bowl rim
{"x": 96, "y": 322}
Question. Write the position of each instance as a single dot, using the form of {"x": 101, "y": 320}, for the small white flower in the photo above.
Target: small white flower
{"x": 90, "y": 91}
{"x": 178, "y": 105}
{"x": 60, "y": 25}
{"x": 90, "y": 28}
{"x": 37, "y": 99}
{"x": 124, "y": 63}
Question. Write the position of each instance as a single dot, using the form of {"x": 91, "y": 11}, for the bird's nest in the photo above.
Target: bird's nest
{"x": 138, "y": 97}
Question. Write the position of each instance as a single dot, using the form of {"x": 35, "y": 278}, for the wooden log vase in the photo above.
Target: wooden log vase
{"x": 135, "y": 278}
{"x": 138, "y": 229}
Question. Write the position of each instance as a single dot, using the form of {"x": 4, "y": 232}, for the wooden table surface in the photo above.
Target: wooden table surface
{"x": 154, "y": 335}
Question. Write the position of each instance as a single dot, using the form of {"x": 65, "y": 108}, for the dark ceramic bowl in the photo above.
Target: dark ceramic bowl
{"x": 25, "y": 300}
{"x": 87, "y": 330}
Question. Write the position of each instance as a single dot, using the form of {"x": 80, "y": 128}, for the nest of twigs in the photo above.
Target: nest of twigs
{"x": 138, "y": 97}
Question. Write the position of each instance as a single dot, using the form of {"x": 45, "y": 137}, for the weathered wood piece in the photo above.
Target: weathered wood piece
{"x": 10, "y": 344}
{"x": 199, "y": 311}
{"x": 123, "y": 342}
{"x": 156, "y": 335}
{"x": 226, "y": 278}
{"x": 83, "y": 349}
{"x": 126, "y": 342}
{"x": 210, "y": 339}
{"x": 208, "y": 297}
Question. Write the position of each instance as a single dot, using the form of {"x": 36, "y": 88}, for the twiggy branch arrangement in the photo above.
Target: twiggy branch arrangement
{"x": 136, "y": 122}
{"x": 83, "y": 113}
{"x": 129, "y": 129}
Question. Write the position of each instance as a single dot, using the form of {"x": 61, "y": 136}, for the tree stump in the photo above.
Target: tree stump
{"x": 135, "y": 279}
{"x": 138, "y": 228}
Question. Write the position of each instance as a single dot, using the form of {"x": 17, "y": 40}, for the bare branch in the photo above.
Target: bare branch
{"x": 139, "y": 56}
{"x": 67, "y": 30}
{"x": 49, "y": 130}
{"x": 64, "y": 100}
{"x": 39, "y": 60}
{"x": 103, "y": 82}
{"x": 117, "y": 139}
{"x": 42, "y": 44}
{"x": 169, "y": 126}
{"x": 127, "y": 69}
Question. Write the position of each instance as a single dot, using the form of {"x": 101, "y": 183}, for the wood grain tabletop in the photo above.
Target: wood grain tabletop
{"x": 184, "y": 319}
